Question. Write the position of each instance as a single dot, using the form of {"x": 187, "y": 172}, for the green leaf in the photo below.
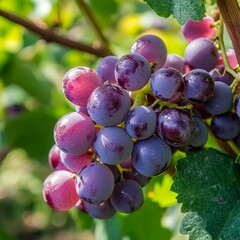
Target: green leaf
{"x": 184, "y": 9}
{"x": 162, "y": 8}
{"x": 208, "y": 186}
{"x": 180, "y": 9}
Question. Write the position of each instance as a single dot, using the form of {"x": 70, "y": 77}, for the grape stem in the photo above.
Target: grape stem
{"x": 225, "y": 58}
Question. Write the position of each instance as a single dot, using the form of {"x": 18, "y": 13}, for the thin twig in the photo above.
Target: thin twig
{"x": 49, "y": 36}
{"x": 84, "y": 7}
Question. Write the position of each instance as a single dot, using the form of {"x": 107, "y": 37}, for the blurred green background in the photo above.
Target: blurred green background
{"x": 31, "y": 102}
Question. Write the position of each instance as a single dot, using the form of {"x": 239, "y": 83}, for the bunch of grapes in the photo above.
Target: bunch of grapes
{"x": 131, "y": 115}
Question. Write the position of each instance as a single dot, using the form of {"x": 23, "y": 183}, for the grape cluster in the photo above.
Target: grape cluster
{"x": 131, "y": 115}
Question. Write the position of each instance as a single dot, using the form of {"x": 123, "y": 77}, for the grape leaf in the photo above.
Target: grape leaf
{"x": 180, "y": 9}
{"x": 208, "y": 186}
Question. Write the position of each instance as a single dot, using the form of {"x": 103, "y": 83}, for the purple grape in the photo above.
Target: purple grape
{"x": 167, "y": 84}
{"x": 74, "y": 133}
{"x": 140, "y": 122}
{"x": 199, "y": 138}
{"x": 200, "y": 111}
{"x": 102, "y": 210}
{"x": 94, "y": 183}
{"x": 237, "y": 105}
{"x": 176, "y": 62}
{"x": 221, "y": 101}
{"x": 201, "y": 53}
{"x": 106, "y": 69}
{"x": 76, "y": 162}
{"x": 127, "y": 196}
{"x": 199, "y": 86}
{"x": 79, "y": 83}
{"x": 115, "y": 171}
{"x": 151, "y": 156}
{"x": 219, "y": 74}
{"x": 54, "y": 159}
{"x": 231, "y": 55}
{"x": 81, "y": 109}
{"x": 226, "y": 126}
{"x": 80, "y": 206}
{"x": 59, "y": 190}
{"x": 136, "y": 176}
{"x": 132, "y": 71}
{"x": 113, "y": 145}
{"x": 152, "y": 48}
{"x": 175, "y": 126}
{"x": 108, "y": 105}
{"x": 197, "y": 29}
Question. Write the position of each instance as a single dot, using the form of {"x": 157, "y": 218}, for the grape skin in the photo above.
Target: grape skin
{"x": 195, "y": 29}
{"x": 54, "y": 159}
{"x": 219, "y": 74}
{"x": 140, "y": 122}
{"x": 221, "y": 101}
{"x": 175, "y": 126}
{"x": 78, "y": 84}
{"x": 226, "y": 126}
{"x": 127, "y": 196}
{"x": 113, "y": 145}
{"x": 74, "y": 133}
{"x": 106, "y": 69}
{"x": 152, "y": 48}
{"x": 132, "y": 71}
{"x": 151, "y": 156}
{"x": 175, "y": 61}
{"x": 94, "y": 183}
{"x": 167, "y": 84}
{"x": 201, "y": 53}
{"x": 199, "y": 86}
{"x": 59, "y": 190}
{"x": 75, "y": 162}
{"x": 237, "y": 105}
{"x": 108, "y": 105}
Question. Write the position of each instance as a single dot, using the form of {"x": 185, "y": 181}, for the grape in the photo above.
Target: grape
{"x": 152, "y": 48}
{"x": 132, "y": 71}
{"x": 195, "y": 29}
{"x": 95, "y": 183}
{"x": 127, "y": 163}
{"x": 151, "y": 156}
{"x": 59, "y": 190}
{"x": 219, "y": 74}
{"x": 74, "y": 133}
{"x": 221, "y": 101}
{"x": 81, "y": 110}
{"x": 201, "y": 53}
{"x": 199, "y": 86}
{"x": 175, "y": 126}
{"x": 80, "y": 205}
{"x": 115, "y": 171}
{"x": 76, "y": 162}
{"x": 108, "y": 105}
{"x": 78, "y": 84}
{"x": 136, "y": 176}
{"x": 176, "y": 62}
{"x": 237, "y": 105}
{"x": 200, "y": 111}
{"x": 127, "y": 196}
{"x": 102, "y": 210}
{"x": 167, "y": 84}
{"x": 231, "y": 58}
{"x": 106, "y": 69}
{"x": 226, "y": 126}
{"x": 199, "y": 138}
{"x": 54, "y": 159}
{"x": 140, "y": 122}
{"x": 113, "y": 145}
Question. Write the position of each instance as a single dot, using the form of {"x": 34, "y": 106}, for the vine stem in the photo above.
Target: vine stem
{"x": 49, "y": 36}
{"x": 84, "y": 7}
{"x": 230, "y": 13}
